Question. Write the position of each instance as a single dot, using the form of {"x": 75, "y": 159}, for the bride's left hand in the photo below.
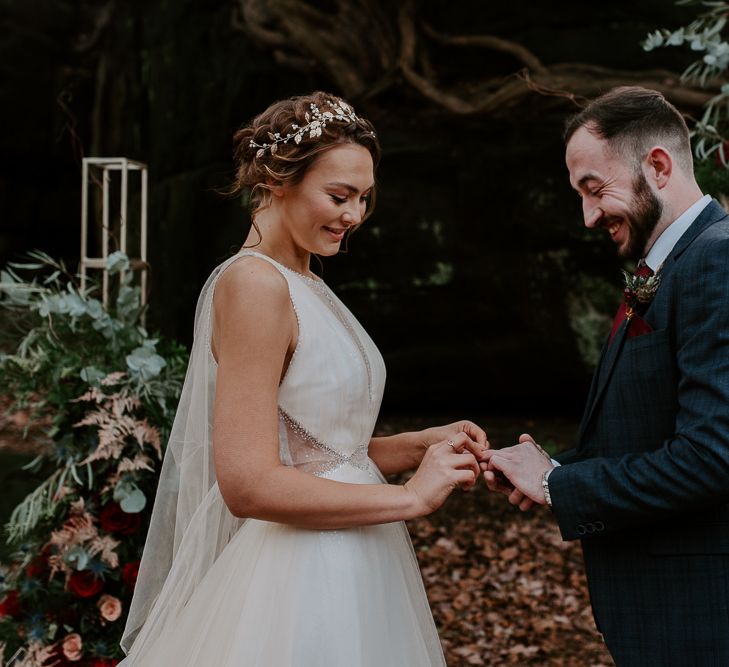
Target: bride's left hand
{"x": 477, "y": 445}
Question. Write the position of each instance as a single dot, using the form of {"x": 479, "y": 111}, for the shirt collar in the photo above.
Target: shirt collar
{"x": 670, "y": 236}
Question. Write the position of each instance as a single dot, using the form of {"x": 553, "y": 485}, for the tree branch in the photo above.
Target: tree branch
{"x": 364, "y": 46}
{"x": 521, "y": 53}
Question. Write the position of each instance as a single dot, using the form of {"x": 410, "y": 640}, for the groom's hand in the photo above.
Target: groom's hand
{"x": 523, "y": 465}
{"x": 497, "y": 481}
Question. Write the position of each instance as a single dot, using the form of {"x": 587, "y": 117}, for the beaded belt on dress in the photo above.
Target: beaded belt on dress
{"x": 358, "y": 458}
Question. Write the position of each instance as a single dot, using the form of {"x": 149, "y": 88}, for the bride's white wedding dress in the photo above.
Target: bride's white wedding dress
{"x": 278, "y": 595}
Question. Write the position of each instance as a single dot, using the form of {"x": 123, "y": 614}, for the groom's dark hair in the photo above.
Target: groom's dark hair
{"x": 633, "y": 120}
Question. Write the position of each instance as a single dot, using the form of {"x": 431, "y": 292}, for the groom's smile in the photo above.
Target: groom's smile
{"x": 620, "y": 228}
{"x": 615, "y": 194}
{"x": 613, "y": 227}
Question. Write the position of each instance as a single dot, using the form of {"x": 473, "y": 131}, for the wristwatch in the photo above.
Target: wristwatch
{"x": 545, "y": 486}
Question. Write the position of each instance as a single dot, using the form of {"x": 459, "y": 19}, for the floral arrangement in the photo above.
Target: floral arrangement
{"x": 640, "y": 288}
{"x": 102, "y": 394}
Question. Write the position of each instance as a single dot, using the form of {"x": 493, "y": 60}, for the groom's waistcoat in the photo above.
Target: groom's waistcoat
{"x": 647, "y": 488}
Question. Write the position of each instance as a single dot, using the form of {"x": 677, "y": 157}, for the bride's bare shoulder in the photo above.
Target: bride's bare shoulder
{"x": 251, "y": 302}
{"x": 251, "y": 280}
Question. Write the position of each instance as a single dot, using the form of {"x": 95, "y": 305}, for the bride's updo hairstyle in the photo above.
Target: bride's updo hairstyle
{"x": 279, "y": 145}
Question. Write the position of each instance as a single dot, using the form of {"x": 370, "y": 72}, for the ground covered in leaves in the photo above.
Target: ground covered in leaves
{"x": 503, "y": 587}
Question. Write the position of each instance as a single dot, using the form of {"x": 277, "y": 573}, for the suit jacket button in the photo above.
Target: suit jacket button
{"x": 599, "y": 525}
{"x": 581, "y": 530}
{"x": 590, "y": 527}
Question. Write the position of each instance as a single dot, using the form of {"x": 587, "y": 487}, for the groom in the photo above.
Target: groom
{"x": 646, "y": 489}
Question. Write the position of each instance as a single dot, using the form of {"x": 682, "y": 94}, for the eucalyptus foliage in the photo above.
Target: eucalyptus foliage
{"x": 706, "y": 35}
{"x": 69, "y": 343}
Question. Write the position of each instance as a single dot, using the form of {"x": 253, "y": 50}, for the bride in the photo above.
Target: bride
{"x": 275, "y": 540}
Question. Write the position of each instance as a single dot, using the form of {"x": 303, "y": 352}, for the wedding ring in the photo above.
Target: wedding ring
{"x": 452, "y": 445}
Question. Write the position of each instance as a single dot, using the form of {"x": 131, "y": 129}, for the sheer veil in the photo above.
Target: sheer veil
{"x": 190, "y": 523}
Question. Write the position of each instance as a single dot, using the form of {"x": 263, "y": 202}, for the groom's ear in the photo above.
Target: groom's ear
{"x": 659, "y": 164}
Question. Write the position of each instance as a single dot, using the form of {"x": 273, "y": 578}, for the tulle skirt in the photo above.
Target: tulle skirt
{"x": 280, "y": 596}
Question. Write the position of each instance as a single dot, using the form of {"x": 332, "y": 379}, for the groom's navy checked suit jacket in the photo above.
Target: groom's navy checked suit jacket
{"x": 647, "y": 487}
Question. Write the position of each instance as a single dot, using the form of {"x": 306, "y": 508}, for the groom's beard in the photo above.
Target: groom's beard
{"x": 647, "y": 210}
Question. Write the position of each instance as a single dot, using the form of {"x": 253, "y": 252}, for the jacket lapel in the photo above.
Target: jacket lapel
{"x": 611, "y": 351}
{"x": 593, "y": 392}
{"x": 603, "y": 373}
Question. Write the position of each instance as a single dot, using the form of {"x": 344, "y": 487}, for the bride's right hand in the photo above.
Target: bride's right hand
{"x": 445, "y": 466}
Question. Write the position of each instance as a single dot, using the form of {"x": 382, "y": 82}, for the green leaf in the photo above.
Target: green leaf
{"x": 94, "y": 309}
{"x": 144, "y": 362}
{"x": 36, "y": 506}
{"x": 127, "y": 303}
{"x": 26, "y": 266}
{"x": 134, "y": 502}
{"x": 116, "y": 262}
{"x": 92, "y": 375}
{"x": 77, "y": 557}
{"x": 130, "y": 497}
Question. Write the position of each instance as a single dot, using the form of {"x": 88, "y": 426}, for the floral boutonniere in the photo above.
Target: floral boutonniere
{"x": 640, "y": 288}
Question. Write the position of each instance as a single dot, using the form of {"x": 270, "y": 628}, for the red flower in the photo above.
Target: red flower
{"x": 85, "y": 584}
{"x": 114, "y": 519}
{"x": 10, "y": 605}
{"x": 129, "y": 574}
{"x": 717, "y": 156}
{"x": 35, "y": 568}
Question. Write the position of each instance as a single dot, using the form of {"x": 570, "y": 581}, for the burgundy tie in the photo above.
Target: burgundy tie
{"x": 642, "y": 271}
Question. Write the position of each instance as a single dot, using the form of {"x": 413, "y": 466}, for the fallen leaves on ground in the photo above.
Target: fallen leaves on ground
{"x": 503, "y": 586}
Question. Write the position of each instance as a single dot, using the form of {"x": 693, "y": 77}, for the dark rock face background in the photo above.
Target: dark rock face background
{"x": 474, "y": 276}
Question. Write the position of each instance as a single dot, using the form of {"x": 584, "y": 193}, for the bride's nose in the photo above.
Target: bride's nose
{"x": 352, "y": 215}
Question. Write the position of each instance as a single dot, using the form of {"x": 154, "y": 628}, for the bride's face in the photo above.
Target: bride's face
{"x": 329, "y": 200}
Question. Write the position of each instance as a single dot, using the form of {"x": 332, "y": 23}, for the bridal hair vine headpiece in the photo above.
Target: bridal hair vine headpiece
{"x": 316, "y": 121}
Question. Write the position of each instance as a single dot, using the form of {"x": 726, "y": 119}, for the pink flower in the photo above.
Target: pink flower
{"x": 110, "y": 607}
{"x": 72, "y": 647}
